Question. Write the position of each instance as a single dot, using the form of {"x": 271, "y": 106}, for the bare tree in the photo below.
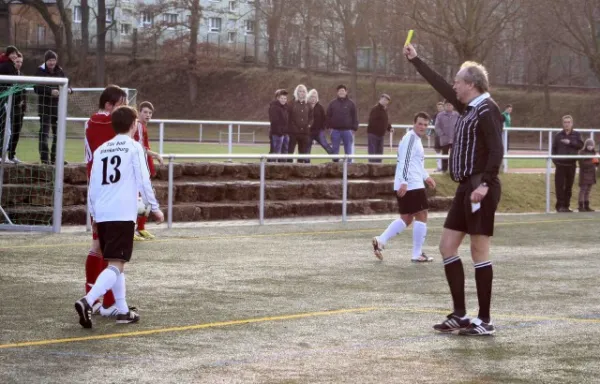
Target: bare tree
{"x": 350, "y": 15}
{"x": 580, "y": 20}
{"x": 61, "y": 28}
{"x": 272, "y": 12}
{"x": 195, "y": 14}
{"x": 470, "y": 26}
{"x": 101, "y": 43}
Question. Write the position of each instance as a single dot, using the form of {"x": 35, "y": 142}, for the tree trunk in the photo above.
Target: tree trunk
{"x": 256, "y": 31}
{"x": 374, "y": 68}
{"x": 85, "y": 35}
{"x": 66, "y": 23}
{"x": 101, "y": 44}
{"x": 193, "y": 50}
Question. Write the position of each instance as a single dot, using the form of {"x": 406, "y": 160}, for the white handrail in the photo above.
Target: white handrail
{"x": 345, "y": 158}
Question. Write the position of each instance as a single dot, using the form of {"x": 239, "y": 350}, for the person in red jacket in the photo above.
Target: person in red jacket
{"x": 146, "y": 110}
{"x": 99, "y": 130}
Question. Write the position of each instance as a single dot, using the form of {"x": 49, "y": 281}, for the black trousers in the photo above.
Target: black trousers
{"x": 47, "y": 123}
{"x": 445, "y": 150}
{"x": 17, "y": 125}
{"x": 303, "y": 142}
{"x": 563, "y": 182}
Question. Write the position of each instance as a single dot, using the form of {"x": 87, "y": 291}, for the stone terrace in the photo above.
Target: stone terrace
{"x": 222, "y": 191}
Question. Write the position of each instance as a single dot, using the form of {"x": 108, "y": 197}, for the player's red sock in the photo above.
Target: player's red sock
{"x": 141, "y": 223}
{"x": 109, "y": 298}
{"x": 94, "y": 265}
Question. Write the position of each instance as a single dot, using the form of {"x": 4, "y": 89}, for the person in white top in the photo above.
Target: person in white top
{"x": 409, "y": 184}
{"x": 119, "y": 173}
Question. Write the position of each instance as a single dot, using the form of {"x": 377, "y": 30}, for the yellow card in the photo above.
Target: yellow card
{"x": 409, "y": 37}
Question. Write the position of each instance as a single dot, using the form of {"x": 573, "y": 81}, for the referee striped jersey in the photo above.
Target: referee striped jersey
{"x": 477, "y": 147}
{"x": 410, "y": 168}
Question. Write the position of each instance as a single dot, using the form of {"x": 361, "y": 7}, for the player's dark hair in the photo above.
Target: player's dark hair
{"x": 146, "y": 104}
{"x": 508, "y": 106}
{"x": 112, "y": 95}
{"x": 423, "y": 115}
{"x": 122, "y": 118}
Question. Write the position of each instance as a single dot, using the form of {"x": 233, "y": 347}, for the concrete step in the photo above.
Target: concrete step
{"x": 211, "y": 191}
{"x": 75, "y": 174}
{"x": 227, "y": 210}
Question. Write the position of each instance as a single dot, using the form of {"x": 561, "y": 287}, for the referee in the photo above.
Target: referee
{"x": 474, "y": 163}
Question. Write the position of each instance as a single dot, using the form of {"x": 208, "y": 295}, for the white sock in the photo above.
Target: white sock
{"x": 419, "y": 233}
{"x": 119, "y": 292}
{"x": 395, "y": 228}
{"x": 439, "y": 163}
{"x": 107, "y": 312}
{"x": 104, "y": 282}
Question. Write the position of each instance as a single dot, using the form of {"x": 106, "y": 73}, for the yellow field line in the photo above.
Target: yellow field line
{"x": 283, "y": 234}
{"x": 277, "y": 318}
{"x": 189, "y": 327}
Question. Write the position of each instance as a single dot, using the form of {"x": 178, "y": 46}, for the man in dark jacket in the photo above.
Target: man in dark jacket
{"x": 379, "y": 125}
{"x": 279, "y": 119}
{"x": 565, "y": 142}
{"x": 7, "y": 67}
{"x": 300, "y": 123}
{"x": 18, "y": 113}
{"x": 48, "y": 106}
{"x": 342, "y": 117}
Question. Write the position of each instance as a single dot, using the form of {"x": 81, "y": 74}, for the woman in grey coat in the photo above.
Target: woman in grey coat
{"x": 587, "y": 175}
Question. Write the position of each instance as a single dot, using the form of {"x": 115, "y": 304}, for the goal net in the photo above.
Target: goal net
{"x": 32, "y": 168}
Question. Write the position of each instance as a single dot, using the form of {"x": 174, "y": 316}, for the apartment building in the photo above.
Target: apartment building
{"x": 228, "y": 23}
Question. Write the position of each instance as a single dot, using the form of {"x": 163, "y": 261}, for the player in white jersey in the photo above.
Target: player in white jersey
{"x": 119, "y": 173}
{"x": 409, "y": 184}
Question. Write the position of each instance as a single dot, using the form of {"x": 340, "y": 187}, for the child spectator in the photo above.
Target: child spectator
{"x": 587, "y": 175}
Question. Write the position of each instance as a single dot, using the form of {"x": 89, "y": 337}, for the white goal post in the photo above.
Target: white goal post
{"x": 22, "y": 206}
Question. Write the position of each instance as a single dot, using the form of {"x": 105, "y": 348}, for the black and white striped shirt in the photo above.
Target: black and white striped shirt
{"x": 477, "y": 147}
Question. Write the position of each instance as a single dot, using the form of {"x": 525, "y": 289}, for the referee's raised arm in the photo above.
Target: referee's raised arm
{"x": 435, "y": 79}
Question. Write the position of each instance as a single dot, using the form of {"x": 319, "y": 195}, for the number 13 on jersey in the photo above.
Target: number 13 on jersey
{"x": 115, "y": 174}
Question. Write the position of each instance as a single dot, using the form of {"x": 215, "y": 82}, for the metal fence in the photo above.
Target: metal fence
{"x": 345, "y": 161}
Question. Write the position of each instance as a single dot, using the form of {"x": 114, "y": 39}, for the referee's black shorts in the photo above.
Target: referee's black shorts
{"x": 461, "y": 218}
{"x": 414, "y": 201}
{"x": 116, "y": 239}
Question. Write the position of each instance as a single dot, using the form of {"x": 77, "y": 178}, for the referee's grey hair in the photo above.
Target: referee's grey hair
{"x": 476, "y": 74}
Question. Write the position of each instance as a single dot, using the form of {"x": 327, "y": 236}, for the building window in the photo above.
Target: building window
{"x": 110, "y": 15}
{"x": 147, "y": 18}
{"x": 41, "y": 34}
{"x": 231, "y": 37}
{"x": 170, "y": 18}
{"x": 214, "y": 24}
{"x": 77, "y": 14}
{"x": 232, "y": 6}
{"x": 249, "y": 26}
{"x": 125, "y": 29}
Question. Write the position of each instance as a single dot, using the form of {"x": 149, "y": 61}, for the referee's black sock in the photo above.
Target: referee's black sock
{"x": 484, "y": 275}
{"x": 455, "y": 274}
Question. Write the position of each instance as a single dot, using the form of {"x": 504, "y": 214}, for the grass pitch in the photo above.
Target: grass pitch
{"x": 305, "y": 303}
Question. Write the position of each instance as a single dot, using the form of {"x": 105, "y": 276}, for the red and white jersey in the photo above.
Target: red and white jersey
{"x": 141, "y": 135}
{"x": 119, "y": 175}
{"x": 98, "y": 130}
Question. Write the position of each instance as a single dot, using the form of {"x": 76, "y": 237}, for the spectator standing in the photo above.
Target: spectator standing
{"x": 7, "y": 67}
{"x": 18, "y": 113}
{"x": 317, "y": 129}
{"x": 436, "y": 139}
{"x": 300, "y": 123}
{"x": 279, "y": 119}
{"x": 379, "y": 125}
{"x": 506, "y": 118}
{"x": 444, "y": 130}
{"x": 587, "y": 175}
{"x": 48, "y": 106}
{"x": 342, "y": 118}
{"x": 565, "y": 142}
